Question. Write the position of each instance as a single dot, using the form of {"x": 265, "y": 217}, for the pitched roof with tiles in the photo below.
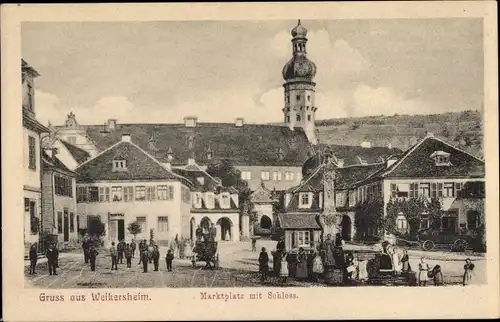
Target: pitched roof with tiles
{"x": 417, "y": 162}
{"x": 78, "y": 154}
{"x": 54, "y": 163}
{"x": 250, "y": 144}
{"x": 298, "y": 221}
{"x": 139, "y": 166}
{"x": 350, "y": 155}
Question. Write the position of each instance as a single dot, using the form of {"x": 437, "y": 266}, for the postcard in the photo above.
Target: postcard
{"x": 250, "y": 161}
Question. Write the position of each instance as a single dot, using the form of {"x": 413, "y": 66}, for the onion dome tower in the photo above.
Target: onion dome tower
{"x": 299, "y": 73}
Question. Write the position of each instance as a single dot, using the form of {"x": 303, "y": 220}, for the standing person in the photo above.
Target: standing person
{"x": 318, "y": 268}
{"x": 144, "y": 259}
{"x": 263, "y": 264}
{"x": 169, "y": 258}
{"x": 284, "y": 268}
{"x": 128, "y": 255}
{"x": 121, "y": 250}
{"x": 254, "y": 244}
{"x": 437, "y": 276}
{"x": 212, "y": 232}
{"x": 468, "y": 269}
{"x": 423, "y": 272}
{"x": 350, "y": 267}
{"x": 150, "y": 250}
{"x": 188, "y": 248}
{"x": 141, "y": 249}
{"x": 92, "y": 257}
{"x": 51, "y": 255}
{"x": 396, "y": 261}
{"x": 199, "y": 233}
{"x": 405, "y": 262}
{"x": 114, "y": 256}
{"x": 339, "y": 251}
{"x": 156, "y": 257}
{"x": 86, "y": 247}
{"x": 133, "y": 246}
{"x": 362, "y": 270}
{"x": 329, "y": 249}
{"x": 302, "y": 264}
{"x": 33, "y": 258}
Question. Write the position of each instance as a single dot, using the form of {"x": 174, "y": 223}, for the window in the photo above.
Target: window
{"x": 308, "y": 98}
{"x": 297, "y": 97}
{"x": 209, "y": 199}
{"x": 424, "y": 221}
{"x": 104, "y": 194}
{"x": 309, "y": 117}
{"x": 119, "y": 165}
{"x": 63, "y": 186}
{"x": 303, "y": 238}
{"x": 288, "y": 119}
{"x": 128, "y": 193}
{"x": 32, "y": 152}
{"x": 449, "y": 223}
{"x": 140, "y": 193}
{"x": 473, "y": 219}
{"x": 413, "y": 190}
{"x": 71, "y": 222}
{"x": 433, "y": 190}
{"x": 162, "y": 224}
{"x": 246, "y": 175}
{"x": 77, "y": 223}
{"x": 59, "y": 222}
{"x": 81, "y": 194}
{"x": 117, "y": 193}
{"x": 264, "y": 175}
{"x": 165, "y": 192}
{"x": 425, "y": 189}
{"x": 298, "y": 117}
{"x": 448, "y": 190}
{"x": 201, "y": 180}
{"x": 458, "y": 189}
{"x": 93, "y": 194}
{"x": 29, "y": 93}
{"x": 440, "y": 190}
{"x": 394, "y": 190}
{"x": 401, "y": 223}
{"x": 289, "y": 176}
{"x": 150, "y": 193}
{"x": 197, "y": 200}
{"x": 304, "y": 199}
{"x": 142, "y": 222}
{"x": 72, "y": 140}
{"x": 441, "y": 158}
{"x": 277, "y": 176}
{"x": 186, "y": 195}
{"x": 224, "y": 200}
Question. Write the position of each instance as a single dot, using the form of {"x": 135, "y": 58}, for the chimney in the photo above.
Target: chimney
{"x": 111, "y": 124}
{"x": 190, "y": 121}
{"x": 126, "y": 137}
{"x": 239, "y": 122}
{"x": 366, "y": 144}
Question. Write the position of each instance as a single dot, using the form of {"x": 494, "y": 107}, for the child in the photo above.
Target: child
{"x": 263, "y": 264}
{"x": 114, "y": 256}
{"x": 468, "y": 268}
{"x": 317, "y": 267}
{"x": 284, "y": 268}
{"x": 437, "y": 275}
{"x": 169, "y": 258}
{"x": 128, "y": 255}
{"x": 423, "y": 271}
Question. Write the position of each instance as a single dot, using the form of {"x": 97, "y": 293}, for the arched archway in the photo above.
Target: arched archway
{"x": 205, "y": 224}
{"x": 346, "y": 225}
{"x": 225, "y": 226}
{"x": 266, "y": 222}
{"x": 473, "y": 219}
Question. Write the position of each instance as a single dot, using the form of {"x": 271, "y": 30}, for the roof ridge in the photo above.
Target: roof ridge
{"x": 406, "y": 154}
{"x": 72, "y": 145}
{"x": 99, "y": 154}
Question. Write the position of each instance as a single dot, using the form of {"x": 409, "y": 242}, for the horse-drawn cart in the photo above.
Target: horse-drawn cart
{"x": 206, "y": 251}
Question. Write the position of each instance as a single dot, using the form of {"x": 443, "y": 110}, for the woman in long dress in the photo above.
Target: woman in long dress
{"x": 423, "y": 271}
{"x": 188, "y": 249}
{"x": 405, "y": 262}
{"x": 302, "y": 264}
{"x": 362, "y": 270}
{"x": 396, "y": 261}
{"x": 284, "y": 268}
{"x": 468, "y": 269}
{"x": 318, "y": 268}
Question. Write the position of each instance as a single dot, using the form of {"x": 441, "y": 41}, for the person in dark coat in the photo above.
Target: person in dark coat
{"x": 133, "y": 246}
{"x": 114, "y": 256}
{"x": 121, "y": 250}
{"x": 212, "y": 232}
{"x": 86, "y": 247}
{"x": 156, "y": 257}
{"x": 141, "y": 249}
{"x": 144, "y": 259}
{"x": 405, "y": 262}
{"x": 33, "y": 258}
{"x": 128, "y": 255}
{"x": 199, "y": 233}
{"x": 92, "y": 257}
{"x": 263, "y": 264}
{"x": 51, "y": 255}
{"x": 169, "y": 259}
{"x": 437, "y": 276}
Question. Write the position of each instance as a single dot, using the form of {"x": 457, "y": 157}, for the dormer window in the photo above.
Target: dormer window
{"x": 209, "y": 200}
{"x": 197, "y": 200}
{"x": 119, "y": 165}
{"x": 305, "y": 200}
{"x": 224, "y": 200}
{"x": 441, "y": 158}
{"x": 201, "y": 180}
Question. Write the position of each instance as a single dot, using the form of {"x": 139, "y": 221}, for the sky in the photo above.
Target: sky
{"x": 160, "y": 72}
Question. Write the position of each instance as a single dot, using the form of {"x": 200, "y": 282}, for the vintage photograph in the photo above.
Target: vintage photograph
{"x": 254, "y": 153}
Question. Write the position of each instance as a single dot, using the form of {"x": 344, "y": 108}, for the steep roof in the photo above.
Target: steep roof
{"x": 78, "y": 154}
{"x": 298, "y": 221}
{"x": 54, "y": 163}
{"x": 416, "y": 162}
{"x": 140, "y": 166}
{"x": 262, "y": 195}
{"x": 250, "y": 144}
{"x": 208, "y": 183}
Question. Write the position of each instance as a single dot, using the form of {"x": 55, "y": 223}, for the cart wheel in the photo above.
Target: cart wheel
{"x": 460, "y": 245}
{"x": 428, "y": 245}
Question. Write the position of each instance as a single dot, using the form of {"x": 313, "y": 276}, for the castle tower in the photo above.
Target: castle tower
{"x": 298, "y": 73}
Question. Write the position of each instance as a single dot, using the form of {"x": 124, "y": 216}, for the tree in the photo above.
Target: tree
{"x": 134, "y": 228}
{"x": 96, "y": 229}
{"x": 369, "y": 213}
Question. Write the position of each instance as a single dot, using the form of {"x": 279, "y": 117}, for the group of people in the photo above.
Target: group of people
{"x": 52, "y": 255}
{"x": 149, "y": 253}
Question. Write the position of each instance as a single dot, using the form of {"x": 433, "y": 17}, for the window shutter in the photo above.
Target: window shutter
{"x": 170, "y": 192}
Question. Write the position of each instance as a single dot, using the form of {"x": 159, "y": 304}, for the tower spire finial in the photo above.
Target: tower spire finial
{"x": 299, "y": 23}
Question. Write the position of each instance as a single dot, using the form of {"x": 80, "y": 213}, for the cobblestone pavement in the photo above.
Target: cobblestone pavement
{"x": 239, "y": 265}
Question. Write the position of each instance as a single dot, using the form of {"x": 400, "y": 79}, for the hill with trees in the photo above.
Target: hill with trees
{"x": 462, "y": 129}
